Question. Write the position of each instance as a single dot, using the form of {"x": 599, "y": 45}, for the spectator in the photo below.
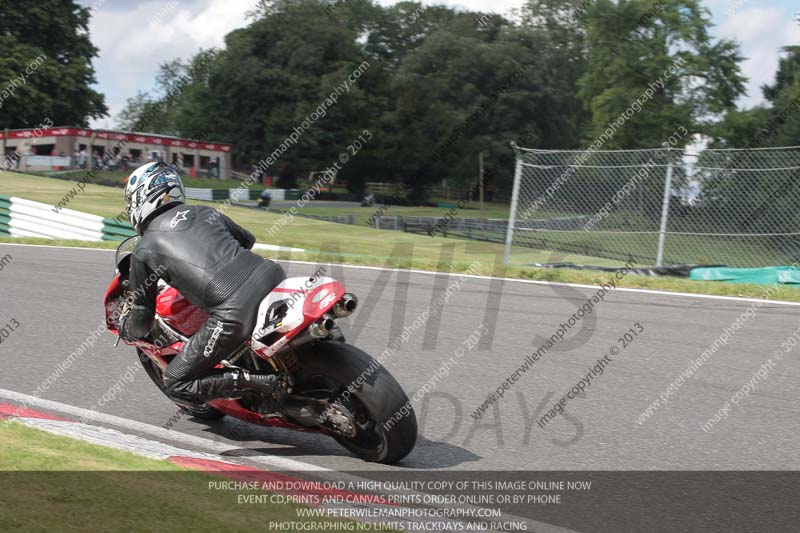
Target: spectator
{"x": 82, "y": 159}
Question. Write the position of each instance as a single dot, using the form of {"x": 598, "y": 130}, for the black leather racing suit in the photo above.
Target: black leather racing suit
{"x": 205, "y": 256}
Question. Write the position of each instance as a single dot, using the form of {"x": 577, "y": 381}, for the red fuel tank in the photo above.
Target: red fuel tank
{"x": 179, "y": 312}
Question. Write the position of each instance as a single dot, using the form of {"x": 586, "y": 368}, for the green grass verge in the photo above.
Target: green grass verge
{"x": 363, "y": 214}
{"x": 201, "y": 183}
{"x": 362, "y": 245}
{"x": 733, "y": 251}
{"x": 54, "y": 483}
{"x": 356, "y": 243}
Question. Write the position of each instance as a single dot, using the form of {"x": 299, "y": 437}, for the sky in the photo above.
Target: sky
{"x": 136, "y": 36}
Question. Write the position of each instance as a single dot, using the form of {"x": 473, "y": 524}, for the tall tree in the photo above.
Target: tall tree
{"x": 777, "y": 122}
{"x": 442, "y": 84}
{"x": 787, "y": 75}
{"x": 47, "y": 59}
{"x": 272, "y": 76}
{"x": 562, "y": 50}
{"x": 661, "y": 55}
{"x": 750, "y": 199}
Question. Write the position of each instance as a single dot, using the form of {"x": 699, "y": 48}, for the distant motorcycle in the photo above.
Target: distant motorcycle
{"x": 264, "y": 199}
{"x": 338, "y": 389}
{"x": 368, "y": 200}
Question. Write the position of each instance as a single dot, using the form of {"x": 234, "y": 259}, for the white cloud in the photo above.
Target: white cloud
{"x": 134, "y": 41}
{"x": 762, "y": 32}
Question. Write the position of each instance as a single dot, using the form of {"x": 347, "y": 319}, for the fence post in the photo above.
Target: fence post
{"x": 662, "y": 234}
{"x": 512, "y": 216}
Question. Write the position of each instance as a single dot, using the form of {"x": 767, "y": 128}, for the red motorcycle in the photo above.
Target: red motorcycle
{"x": 338, "y": 389}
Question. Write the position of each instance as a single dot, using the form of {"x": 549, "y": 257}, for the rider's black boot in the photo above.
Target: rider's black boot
{"x": 231, "y": 384}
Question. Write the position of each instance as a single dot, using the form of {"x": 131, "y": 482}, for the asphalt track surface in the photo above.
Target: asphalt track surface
{"x": 55, "y": 295}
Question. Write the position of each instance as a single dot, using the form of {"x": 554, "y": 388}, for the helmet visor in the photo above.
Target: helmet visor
{"x": 164, "y": 178}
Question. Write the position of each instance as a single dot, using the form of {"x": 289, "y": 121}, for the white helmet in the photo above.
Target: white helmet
{"x": 150, "y": 188}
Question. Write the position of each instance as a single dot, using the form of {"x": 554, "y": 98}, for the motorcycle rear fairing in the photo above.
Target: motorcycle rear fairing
{"x": 305, "y": 299}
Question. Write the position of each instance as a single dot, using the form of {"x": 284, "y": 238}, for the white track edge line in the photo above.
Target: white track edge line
{"x": 156, "y": 431}
{"x": 113, "y": 438}
{"x": 481, "y": 277}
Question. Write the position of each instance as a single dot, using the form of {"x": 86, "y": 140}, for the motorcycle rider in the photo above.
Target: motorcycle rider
{"x": 207, "y": 258}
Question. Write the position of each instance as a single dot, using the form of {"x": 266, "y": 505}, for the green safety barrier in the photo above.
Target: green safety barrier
{"x": 5, "y": 215}
{"x": 219, "y": 194}
{"x": 780, "y": 275}
{"x": 114, "y": 230}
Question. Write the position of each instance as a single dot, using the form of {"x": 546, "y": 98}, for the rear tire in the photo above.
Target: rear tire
{"x": 337, "y": 366}
{"x": 156, "y": 374}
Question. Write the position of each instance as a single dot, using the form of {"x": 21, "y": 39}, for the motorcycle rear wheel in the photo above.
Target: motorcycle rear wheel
{"x": 334, "y": 366}
{"x": 155, "y": 373}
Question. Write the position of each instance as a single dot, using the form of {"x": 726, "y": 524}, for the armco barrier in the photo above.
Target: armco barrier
{"x": 26, "y": 218}
{"x": 235, "y": 195}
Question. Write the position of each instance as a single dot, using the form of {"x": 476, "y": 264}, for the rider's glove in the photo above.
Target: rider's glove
{"x": 123, "y": 327}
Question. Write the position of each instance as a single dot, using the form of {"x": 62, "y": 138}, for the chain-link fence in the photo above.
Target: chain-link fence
{"x": 736, "y": 207}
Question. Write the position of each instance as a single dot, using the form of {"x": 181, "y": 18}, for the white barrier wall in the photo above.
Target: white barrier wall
{"x": 199, "y": 194}
{"x": 234, "y": 195}
{"x": 26, "y": 218}
{"x": 237, "y": 195}
{"x": 46, "y": 161}
{"x": 35, "y": 219}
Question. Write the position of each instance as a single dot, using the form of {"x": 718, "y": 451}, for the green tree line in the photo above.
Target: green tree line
{"x": 755, "y": 200}
{"x": 441, "y": 84}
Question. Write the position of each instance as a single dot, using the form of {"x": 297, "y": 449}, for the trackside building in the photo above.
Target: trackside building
{"x": 69, "y": 147}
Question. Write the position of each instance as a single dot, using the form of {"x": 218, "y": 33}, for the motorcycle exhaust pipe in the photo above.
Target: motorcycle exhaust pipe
{"x": 346, "y": 305}
{"x": 323, "y": 327}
